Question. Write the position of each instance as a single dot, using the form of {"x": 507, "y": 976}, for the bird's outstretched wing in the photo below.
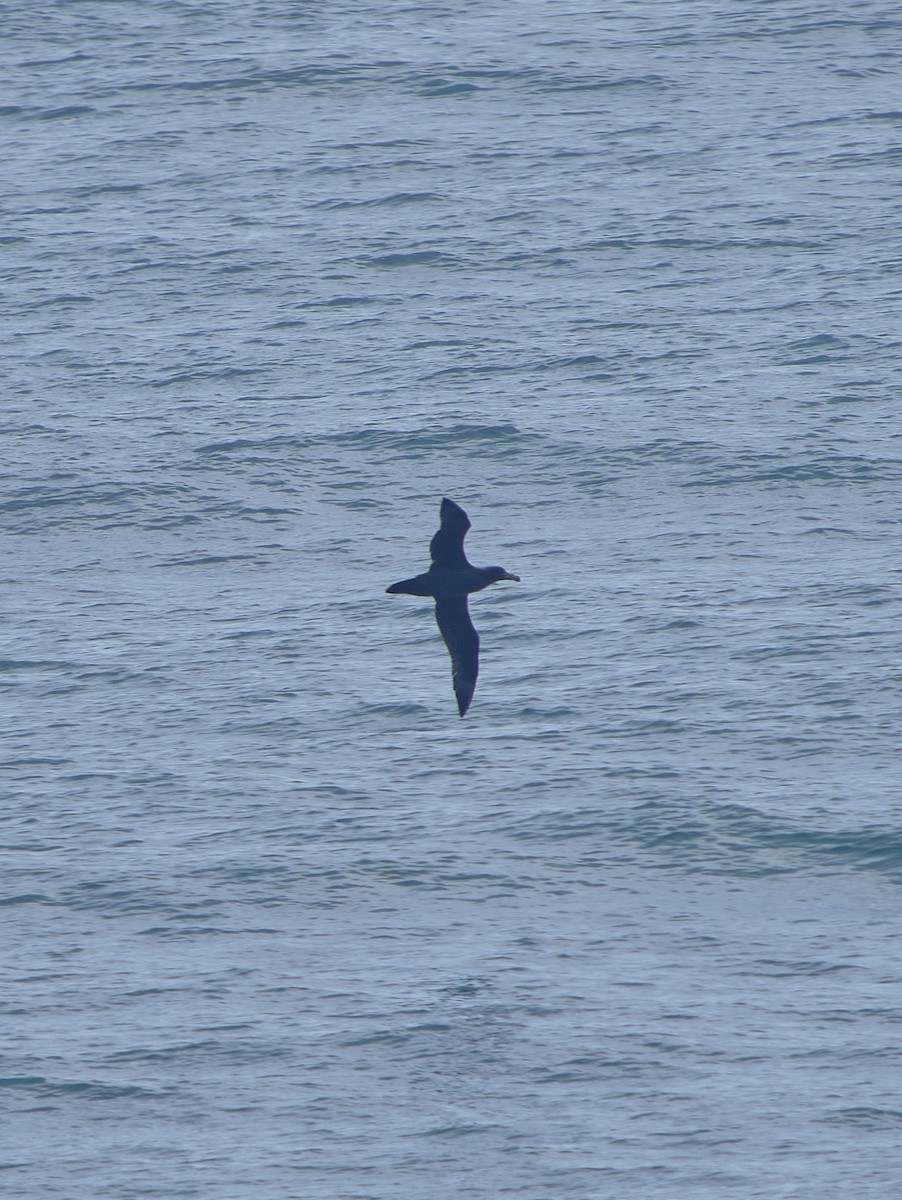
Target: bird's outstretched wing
{"x": 462, "y": 640}
{"x": 447, "y": 546}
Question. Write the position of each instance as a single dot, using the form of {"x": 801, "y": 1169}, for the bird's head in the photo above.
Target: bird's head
{"x": 498, "y": 573}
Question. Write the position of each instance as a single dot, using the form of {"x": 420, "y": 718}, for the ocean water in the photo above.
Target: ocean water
{"x": 623, "y": 281}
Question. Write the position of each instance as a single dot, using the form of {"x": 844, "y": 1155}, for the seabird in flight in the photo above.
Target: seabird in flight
{"x": 450, "y": 580}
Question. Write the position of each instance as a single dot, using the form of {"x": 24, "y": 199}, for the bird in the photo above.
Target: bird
{"x": 450, "y": 579}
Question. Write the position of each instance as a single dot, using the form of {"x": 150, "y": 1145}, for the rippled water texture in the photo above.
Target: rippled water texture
{"x": 621, "y": 280}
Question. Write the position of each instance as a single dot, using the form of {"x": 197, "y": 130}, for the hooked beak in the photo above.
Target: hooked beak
{"x": 508, "y": 575}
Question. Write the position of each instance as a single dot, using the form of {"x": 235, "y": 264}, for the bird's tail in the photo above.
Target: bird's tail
{"x": 420, "y": 585}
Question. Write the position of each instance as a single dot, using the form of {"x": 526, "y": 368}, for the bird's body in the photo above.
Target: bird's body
{"x": 450, "y": 579}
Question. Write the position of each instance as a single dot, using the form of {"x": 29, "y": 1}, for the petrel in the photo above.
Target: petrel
{"x": 450, "y": 580}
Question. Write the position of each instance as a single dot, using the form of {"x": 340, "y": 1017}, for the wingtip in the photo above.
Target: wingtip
{"x": 451, "y": 511}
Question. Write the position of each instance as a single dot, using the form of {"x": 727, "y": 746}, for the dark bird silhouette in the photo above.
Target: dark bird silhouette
{"x": 450, "y": 580}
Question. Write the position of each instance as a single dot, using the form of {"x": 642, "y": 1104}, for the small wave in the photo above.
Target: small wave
{"x": 414, "y": 258}
{"x": 435, "y": 439}
{"x": 866, "y": 1117}
{"x": 392, "y": 200}
{"x": 40, "y": 1085}
{"x": 64, "y": 113}
{"x": 720, "y": 839}
{"x": 236, "y": 445}
{"x": 445, "y": 87}
{"x": 454, "y": 1131}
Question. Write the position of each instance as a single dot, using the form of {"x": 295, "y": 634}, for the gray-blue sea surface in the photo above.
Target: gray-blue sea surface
{"x": 623, "y": 281}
